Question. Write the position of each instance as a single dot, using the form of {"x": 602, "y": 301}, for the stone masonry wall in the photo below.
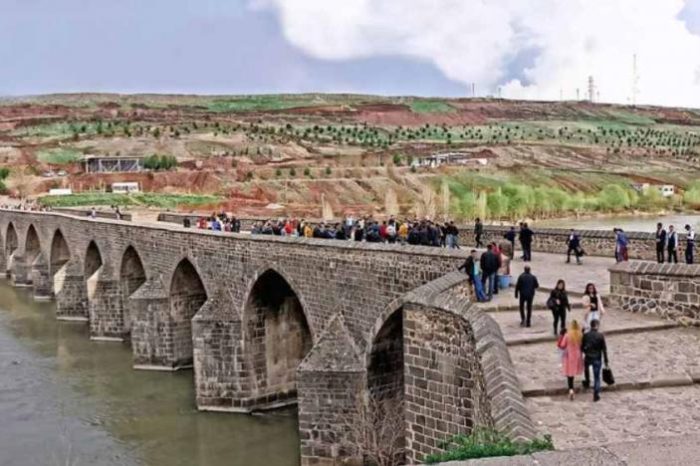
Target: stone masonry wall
{"x": 445, "y": 388}
{"x": 669, "y": 290}
{"x": 346, "y": 292}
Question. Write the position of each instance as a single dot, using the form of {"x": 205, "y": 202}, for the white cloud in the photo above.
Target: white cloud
{"x": 476, "y": 41}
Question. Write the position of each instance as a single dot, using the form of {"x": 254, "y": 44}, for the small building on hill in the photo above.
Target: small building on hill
{"x": 112, "y": 164}
{"x": 666, "y": 190}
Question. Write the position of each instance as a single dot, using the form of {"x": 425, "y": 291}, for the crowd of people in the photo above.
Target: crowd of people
{"x": 668, "y": 244}
{"x": 414, "y": 232}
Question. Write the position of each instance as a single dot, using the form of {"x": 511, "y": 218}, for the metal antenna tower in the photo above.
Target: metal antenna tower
{"x": 591, "y": 89}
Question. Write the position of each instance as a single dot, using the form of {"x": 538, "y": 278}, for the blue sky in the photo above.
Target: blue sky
{"x": 205, "y": 46}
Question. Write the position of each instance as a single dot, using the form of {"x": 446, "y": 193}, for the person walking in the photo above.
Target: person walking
{"x": 478, "y": 232}
{"x": 471, "y": 268}
{"x": 592, "y": 305}
{"x": 526, "y": 235}
{"x": 525, "y": 289}
{"x": 489, "y": 268}
{"x": 574, "y": 244}
{"x": 672, "y": 245}
{"x": 595, "y": 353}
{"x": 558, "y": 303}
{"x": 660, "y": 242}
{"x": 571, "y": 358}
{"x": 689, "y": 244}
{"x": 621, "y": 243}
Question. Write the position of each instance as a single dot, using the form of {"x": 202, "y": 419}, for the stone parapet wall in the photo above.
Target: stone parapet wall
{"x": 80, "y": 212}
{"x": 594, "y": 242}
{"x": 669, "y": 290}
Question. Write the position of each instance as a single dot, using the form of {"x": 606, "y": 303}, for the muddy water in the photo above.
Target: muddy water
{"x": 65, "y": 400}
{"x": 627, "y": 223}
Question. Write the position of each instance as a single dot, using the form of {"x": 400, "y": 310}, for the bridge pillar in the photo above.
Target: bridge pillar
{"x": 70, "y": 292}
{"x": 20, "y": 271}
{"x": 41, "y": 279}
{"x": 332, "y": 383}
{"x": 222, "y": 382}
{"x": 105, "y": 309}
{"x": 152, "y": 329}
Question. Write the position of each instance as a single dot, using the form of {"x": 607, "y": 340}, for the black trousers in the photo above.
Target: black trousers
{"x": 559, "y": 314}
{"x": 660, "y": 253}
{"x": 689, "y": 253}
{"x": 570, "y": 382}
{"x": 527, "y": 252}
{"x": 672, "y": 256}
{"x": 526, "y": 303}
{"x": 478, "y": 240}
{"x": 576, "y": 253}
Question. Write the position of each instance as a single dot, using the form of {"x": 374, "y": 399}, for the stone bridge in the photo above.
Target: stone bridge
{"x": 337, "y": 327}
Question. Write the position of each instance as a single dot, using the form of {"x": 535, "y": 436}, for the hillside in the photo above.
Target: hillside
{"x": 355, "y": 153}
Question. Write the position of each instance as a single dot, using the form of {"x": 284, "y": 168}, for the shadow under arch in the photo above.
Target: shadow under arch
{"x": 187, "y": 295}
{"x": 132, "y": 274}
{"x": 277, "y": 337}
{"x": 59, "y": 255}
{"x": 11, "y": 245}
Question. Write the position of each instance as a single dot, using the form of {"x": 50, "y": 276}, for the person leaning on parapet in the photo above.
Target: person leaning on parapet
{"x": 660, "y": 242}
{"x": 471, "y": 268}
{"x": 595, "y": 353}
{"x": 689, "y": 244}
{"x": 525, "y": 289}
{"x": 510, "y": 237}
{"x": 478, "y": 232}
{"x": 573, "y": 243}
{"x": 672, "y": 245}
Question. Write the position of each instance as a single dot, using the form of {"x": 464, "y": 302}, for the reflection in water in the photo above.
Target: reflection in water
{"x": 67, "y": 400}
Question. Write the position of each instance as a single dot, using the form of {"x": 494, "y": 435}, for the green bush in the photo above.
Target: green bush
{"x": 292, "y": 172}
{"x": 486, "y": 443}
{"x": 4, "y": 173}
{"x": 307, "y": 171}
{"x": 160, "y": 162}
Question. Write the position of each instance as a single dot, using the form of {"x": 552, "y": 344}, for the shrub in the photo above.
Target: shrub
{"x": 328, "y": 171}
{"x": 292, "y": 172}
{"x": 486, "y": 443}
{"x": 4, "y": 173}
{"x": 278, "y": 173}
{"x": 160, "y": 162}
{"x": 307, "y": 171}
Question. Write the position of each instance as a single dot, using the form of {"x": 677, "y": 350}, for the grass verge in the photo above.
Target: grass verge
{"x": 485, "y": 443}
{"x": 166, "y": 201}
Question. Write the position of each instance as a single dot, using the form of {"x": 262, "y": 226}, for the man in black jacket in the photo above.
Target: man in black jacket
{"x": 525, "y": 289}
{"x": 660, "y": 243}
{"x": 574, "y": 244}
{"x": 526, "y": 235}
{"x": 595, "y": 352}
{"x": 478, "y": 232}
{"x": 489, "y": 268}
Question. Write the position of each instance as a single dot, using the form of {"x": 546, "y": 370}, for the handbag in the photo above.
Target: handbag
{"x": 608, "y": 376}
{"x": 552, "y": 303}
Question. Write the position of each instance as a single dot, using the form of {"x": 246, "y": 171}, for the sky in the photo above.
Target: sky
{"x": 533, "y": 49}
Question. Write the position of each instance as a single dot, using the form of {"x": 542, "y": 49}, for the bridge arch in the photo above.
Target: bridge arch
{"x": 277, "y": 335}
{"x": 187, "y": 295}
{"x": 11, "y": 245}
{"x": 91, "y": 269}
{"x": 59, "y": 255}
{"x": 32, "y": 245}
{"x": 132, "y": 274}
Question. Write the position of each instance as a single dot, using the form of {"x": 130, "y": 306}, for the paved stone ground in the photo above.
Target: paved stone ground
{"x": 612, "y": 322}
{"x": 619, "y": 417}
{"x": 656, "y": 365}
{"x": 682, "y": 450}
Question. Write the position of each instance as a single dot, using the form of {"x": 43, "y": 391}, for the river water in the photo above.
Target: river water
{"x": 627, "y": 223}
{"x": 66, "y": 400}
